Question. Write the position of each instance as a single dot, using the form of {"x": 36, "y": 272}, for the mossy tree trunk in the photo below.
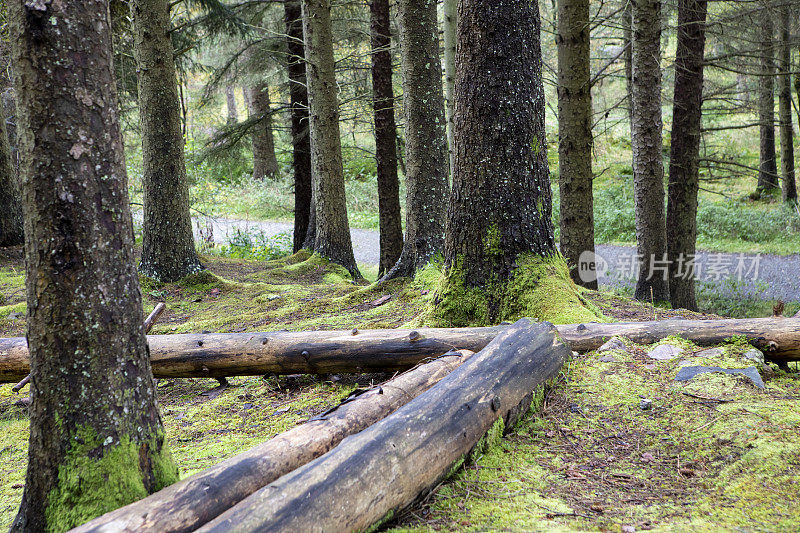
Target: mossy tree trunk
{"x": 684, "y": 170}
{"x": 11, "y": 233}
{"x": 168, "y": 251}
{"x": 426, "y": 153}
{"x": 785, "y": 104}
{"x": 767, "y": 165}
{"x": 648, "y": 167}
{"x": 391, "y": 231}
{"x": 332, "y": 239}
{"x": 96, "y": 438}
{"x": 304, "y": 222}
{"x": 265, "y": 163}
{"x": 500, "y": 206}
{"x": 575, "y": 140}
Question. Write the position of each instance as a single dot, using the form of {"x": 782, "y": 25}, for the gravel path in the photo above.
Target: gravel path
{"x": 768, "y": 276}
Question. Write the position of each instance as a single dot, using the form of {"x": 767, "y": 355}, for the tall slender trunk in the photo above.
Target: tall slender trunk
{"x": 684, "y": 173}
{"x": 500, "y": 206}
{"x": 230, "y": 104}
{"x": 627, "y": 55}
{"x": 785, "y": 105}
{"x": 304, "y": 219}
{"x": 168, "y": 251}
{"x": 11, "y": 232}
{"x": 767, "y": 166}
{"x": 575, "y": 141}
{"x": 449, "y": 30}
{"x": 426, "y": 137}
{"x": 265, "y": 163}
{"x": 648, "y": 167}
{"x": 391, "y": 231}
{"x": 332, "y": 240}
{"x": 96, "y": 437}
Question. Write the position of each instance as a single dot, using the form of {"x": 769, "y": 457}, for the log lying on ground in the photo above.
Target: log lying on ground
{"x": 388, "y": 465}
{"x": 381, "y": 350}
{"x": 190, "y": 503}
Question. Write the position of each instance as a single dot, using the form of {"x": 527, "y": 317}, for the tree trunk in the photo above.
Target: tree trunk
{"x": 684, "y": 172}
{"x": 168, "y": 251}
{"x": 450, "y": 26}
{"x": 96, "y": 438}
{"x": 304, "y": 226}
{"x": 332, "y": 239}
{"x": 230, "y": 102}
{"x": 373, "y": 474}
{"x": 265, "y": 163}
{"x": 500, "y": 207}
{"x": 11, "y": 233}
{"x": 627, "y": 57}
{"x": 391, "y": 231}
{"x": 193, "y": 502}
{"x": 785, "y": 105}
{"x": 426, "y": 137}
{"x": 767, "y": 166}
{"x": 648, "y": 167}
{"x": 575, "y": 141}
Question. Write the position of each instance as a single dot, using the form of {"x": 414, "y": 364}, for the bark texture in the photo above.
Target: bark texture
{"x": 230, "y": 103}
{"x": 391, "y": 231}
{"x": 168, "y": 251}
{"x": 648, "y": 167}
{"x": 575, "y": 140}
{"x": 304, "y": 224}
{"x": 767, "y": 165}
{"x": 96, "y": 439}
{"x": 386, "y": 467}
{"x": 500, "y": 206}
{"x": 785, "y": 104}
{"x": 265, "y": 163}
{"x": 332, "y": 239}
{"x": 684, "y": 171}
{"x": 426, "y": 137}
{"x": 450, "y": 12}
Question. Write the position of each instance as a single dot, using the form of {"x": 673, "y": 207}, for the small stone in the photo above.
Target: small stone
{"x": 382, "y": 300}
{"x": 757, "y": 356}
{"x": 273, "y": 297}
{"x": 648, "y": 457}
{"x": 645, "y": 404}
{"x": 650, "y": 367}
{"x": 608, "y": 359}
{"x": 711, "y": 352}
{"x": 685, "y": 362}
{"x": 664, "y": 352}
{"x": 628, "y": 529}
{"x": 615, "y": 343}
{"x": 15, "y": 315}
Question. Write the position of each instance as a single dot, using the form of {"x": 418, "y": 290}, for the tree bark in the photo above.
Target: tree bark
{"x": 304, "y": 226}
{"x": 193, "y": 502}
{"x": 648, "y": 167}
{"x": 500, "y": 206}
{"x": 389, "y": 465}
{"x": 391, "y": 231}
{"x": 785, "y": 104}
{"x": 265, "y": 163}
{"x": 767, "y": 166}
{"x": 575, "y": 141}
{"x": 426, "y": 137}
{"x": 684, "y": 171}
{"x": 332, "y": 239}
{"x": 450, "y": 12}
{"x": 230, "y": 103}
{"x": 627, "y": 57}
{"x": 168, "y": 251}
{"x": 96, "y": 438}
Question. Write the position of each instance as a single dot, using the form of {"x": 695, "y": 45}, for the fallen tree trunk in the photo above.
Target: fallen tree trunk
{"x": 381, "y": 350}
{"x": 388, "y": 465}
{"x": 192, "y": 502}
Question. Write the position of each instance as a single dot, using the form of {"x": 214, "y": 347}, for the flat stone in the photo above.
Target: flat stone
{"x": 614, "y": 343}
{"x": 645, "y": 404}
{"x": 608, "y": 359}
{"x": 710, "y": 353}
{"x": 685, "y": 362}
{"x": 755, "y": 355}
{"x": 689, "y": 372}
{"x": 665, "y": 352}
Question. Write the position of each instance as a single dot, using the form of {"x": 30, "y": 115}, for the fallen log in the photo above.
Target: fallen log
{"x": 382, "y": 350}
{"x": 192, "y": 502}
{"x": 387, "y": 466}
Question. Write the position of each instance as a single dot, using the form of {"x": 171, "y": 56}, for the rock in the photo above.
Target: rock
{"x": 664, "y": 352}
{"x": 648, "y": 457}
{"x": 628, "y": 529}
{"x": 273, "y": 297}
{"x": 608, "y": 359}
{"x": 684, "y": 362}
{"x": 755, "y": 355}
{"x": 615, "y": 343}
{"x": 645, "y": 404}
{"x": 382, "y": 300}
{"x": 16, "y": 315}
{"x": 688, "y": 372}
{"x": 711, "y": 353}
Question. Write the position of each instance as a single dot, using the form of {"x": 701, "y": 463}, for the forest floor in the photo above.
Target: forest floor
{"x": 712, "y": 453}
